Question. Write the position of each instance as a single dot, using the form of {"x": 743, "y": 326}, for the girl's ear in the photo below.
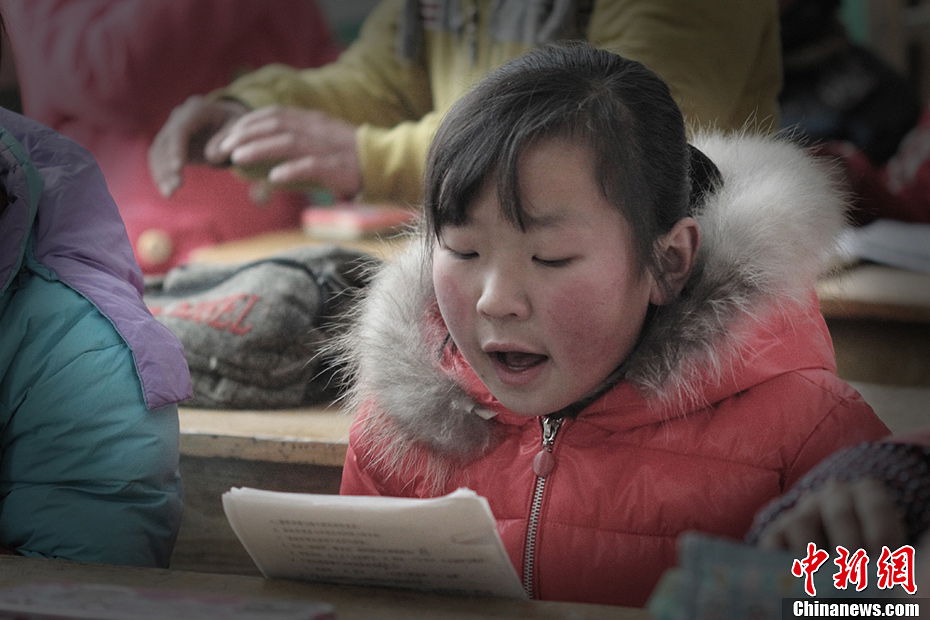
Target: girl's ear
{"x": 677, "y": 253}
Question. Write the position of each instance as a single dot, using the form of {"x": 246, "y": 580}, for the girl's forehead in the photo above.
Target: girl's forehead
{"x": 488, "y": 212}
{"x": 549, "y": 182}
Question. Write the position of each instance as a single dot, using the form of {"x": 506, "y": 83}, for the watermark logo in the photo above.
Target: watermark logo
{"x": 893, "y": 568}
{"x": 853, "y": 569}
{"x": 897, "y": 568}
{"x": 807, "y": 566}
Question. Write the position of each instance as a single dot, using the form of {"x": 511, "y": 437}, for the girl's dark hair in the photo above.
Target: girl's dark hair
{"x": 618, "y": 107}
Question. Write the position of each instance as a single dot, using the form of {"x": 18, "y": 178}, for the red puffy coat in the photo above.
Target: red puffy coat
{"x": 107, "y": 74}
{"x": 730, "y": 397}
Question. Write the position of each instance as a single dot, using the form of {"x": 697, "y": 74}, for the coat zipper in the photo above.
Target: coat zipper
{"x": 543, "y": 463}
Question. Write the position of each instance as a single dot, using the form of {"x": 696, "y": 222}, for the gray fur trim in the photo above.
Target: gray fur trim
{"x": 766, "y": 235}
{"x": 393, "y": 361}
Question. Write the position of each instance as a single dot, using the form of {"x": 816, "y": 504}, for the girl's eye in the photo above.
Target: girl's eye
{"x": 559, "y": 262}
{"x": 458, "y": 254}
{"x": 461, "y": 255}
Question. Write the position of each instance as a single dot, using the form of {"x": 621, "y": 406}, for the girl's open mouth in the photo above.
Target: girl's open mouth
{"x": 517, "y": 361}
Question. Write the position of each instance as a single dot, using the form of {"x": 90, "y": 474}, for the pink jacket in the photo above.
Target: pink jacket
{"x": 107, "y": 73}
{"x": 730, "y": 397}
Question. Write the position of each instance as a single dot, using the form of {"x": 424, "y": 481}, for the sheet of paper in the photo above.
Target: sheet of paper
{"x": 446, "y": 544}
{"x": 899, "y": 244}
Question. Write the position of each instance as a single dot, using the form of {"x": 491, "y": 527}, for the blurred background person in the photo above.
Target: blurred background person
{"x": 107, "y": 73}
{"x": 850, "y": 105}
{"x": 360, "y": 126}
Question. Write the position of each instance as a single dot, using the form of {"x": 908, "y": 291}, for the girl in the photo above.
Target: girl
{"x": 601, "y": 332}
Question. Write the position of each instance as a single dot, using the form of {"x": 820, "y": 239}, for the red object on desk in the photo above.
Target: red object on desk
{"x": 345, "y": 221}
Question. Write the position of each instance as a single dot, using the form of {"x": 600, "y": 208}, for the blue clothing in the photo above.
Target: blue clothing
{"x": 89, "y": 381}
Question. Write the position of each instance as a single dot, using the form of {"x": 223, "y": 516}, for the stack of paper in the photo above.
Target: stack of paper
{"x": 446, "y": 544}
{"x": 898, "y": 244}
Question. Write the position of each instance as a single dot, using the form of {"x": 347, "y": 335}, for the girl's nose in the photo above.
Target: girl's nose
{"x": 503, "y": 296}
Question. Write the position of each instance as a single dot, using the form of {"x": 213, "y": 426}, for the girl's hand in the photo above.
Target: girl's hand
{"x": 855, "y": 514}
{"x": 292, "y": 146}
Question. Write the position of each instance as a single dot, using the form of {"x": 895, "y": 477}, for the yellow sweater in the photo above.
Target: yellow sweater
{"x": 721, "y": 61}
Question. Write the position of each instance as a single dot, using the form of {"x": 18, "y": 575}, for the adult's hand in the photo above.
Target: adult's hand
{"x": 184, "y": 137}
{"x": 302, "y": 147}
{"x": 855, "y": 514}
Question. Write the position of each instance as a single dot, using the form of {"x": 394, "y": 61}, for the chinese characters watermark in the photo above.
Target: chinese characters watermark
{"x": 893, "y": 568}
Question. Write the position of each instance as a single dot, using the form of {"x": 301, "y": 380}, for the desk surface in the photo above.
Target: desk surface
{"x": 870, "y": 291}
{"x": 349, "y": 602}
{"x": 311, "y": 436}
{"x": 267, "y": 244}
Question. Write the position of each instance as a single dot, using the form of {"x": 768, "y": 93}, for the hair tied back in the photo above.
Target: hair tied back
{"x": 704, "y": 176}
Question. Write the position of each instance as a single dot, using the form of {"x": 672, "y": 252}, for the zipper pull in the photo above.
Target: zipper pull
{"x": 543, "y": 462}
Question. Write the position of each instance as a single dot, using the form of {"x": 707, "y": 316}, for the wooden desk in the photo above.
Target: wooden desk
{"x": 267, "y": 244}
{"x": 298, "y": 450}
{"x": 349, "y": 602}
{"x": 311, "y": 436}
{"x": 878, "y": 292}
{"x": 879, "y": 318}
{"x": 903, "y": 409}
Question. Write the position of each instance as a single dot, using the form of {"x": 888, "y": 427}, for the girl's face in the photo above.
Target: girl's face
{"x": 543, "y": 316}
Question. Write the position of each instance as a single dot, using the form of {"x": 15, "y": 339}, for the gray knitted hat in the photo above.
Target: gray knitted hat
{"x": 252, "y": 332}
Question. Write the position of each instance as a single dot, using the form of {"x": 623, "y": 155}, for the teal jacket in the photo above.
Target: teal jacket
{"x": 89, "y": 381}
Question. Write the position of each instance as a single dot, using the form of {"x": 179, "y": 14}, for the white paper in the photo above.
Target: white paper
{"x": 446, "y": 544}
{"x": 899, "y": 244}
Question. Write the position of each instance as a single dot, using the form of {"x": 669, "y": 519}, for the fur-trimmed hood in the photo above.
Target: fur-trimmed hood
{"x": 767, "y": 233}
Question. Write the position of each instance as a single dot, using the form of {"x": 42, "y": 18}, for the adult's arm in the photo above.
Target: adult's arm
{"x": 722, "y": 64}
{"x": 370, "y": 86}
